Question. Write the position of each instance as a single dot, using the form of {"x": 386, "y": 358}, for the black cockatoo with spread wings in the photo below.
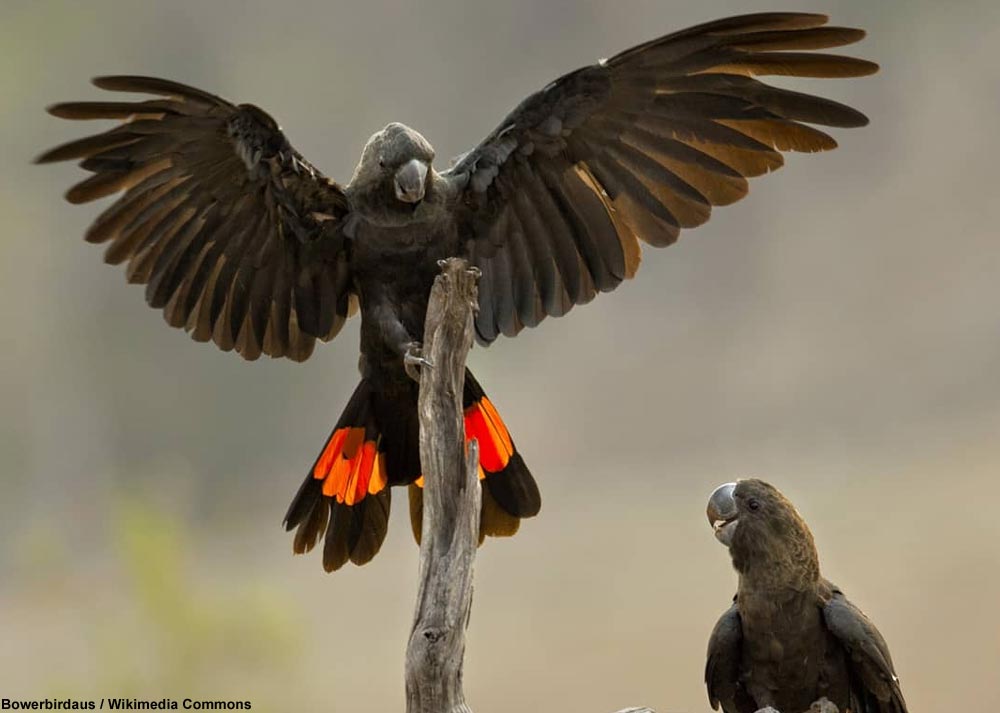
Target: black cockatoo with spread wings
{"x": 242, "y": 241}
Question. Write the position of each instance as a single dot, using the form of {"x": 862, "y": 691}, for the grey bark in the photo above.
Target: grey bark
{"x": 452, "y": 500}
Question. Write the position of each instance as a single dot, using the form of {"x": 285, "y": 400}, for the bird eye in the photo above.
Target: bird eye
{"x": 753, "y": 504}
{"x": 381, "y": 162}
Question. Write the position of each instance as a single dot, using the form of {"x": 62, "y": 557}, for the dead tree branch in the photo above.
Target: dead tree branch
{"x": 451, "y": 502}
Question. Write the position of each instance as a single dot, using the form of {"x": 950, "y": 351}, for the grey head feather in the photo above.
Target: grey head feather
{"x": 390, "y": 148}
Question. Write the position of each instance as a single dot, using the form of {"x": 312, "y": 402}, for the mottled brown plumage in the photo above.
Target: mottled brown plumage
{"x": 791, "y": 637}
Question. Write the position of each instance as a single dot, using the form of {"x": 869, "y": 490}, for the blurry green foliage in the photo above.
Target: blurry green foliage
{"x": 167, "y": 632}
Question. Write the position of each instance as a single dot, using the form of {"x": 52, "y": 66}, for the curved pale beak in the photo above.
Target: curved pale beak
{"x": 723, "y": 514}
{"x": 410, "y": 181}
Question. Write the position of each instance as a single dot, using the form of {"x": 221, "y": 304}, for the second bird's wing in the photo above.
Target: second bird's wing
{"x": 874, "y": 685}
{"x": 722, "y": 665}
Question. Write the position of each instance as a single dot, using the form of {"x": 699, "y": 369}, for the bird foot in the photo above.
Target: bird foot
{"x": 472, "y": 269}
{"x": 414, "y": 361}
{"x": 823, "y": 705}
{"x": 768, "y": 709}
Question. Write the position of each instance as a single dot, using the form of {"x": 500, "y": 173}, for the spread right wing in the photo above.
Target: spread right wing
{"x": 236, "y": 237}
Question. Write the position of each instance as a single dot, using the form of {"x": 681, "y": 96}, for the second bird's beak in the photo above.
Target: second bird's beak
{"x": 410, "y": 181}
{"x": 723, "y": 514}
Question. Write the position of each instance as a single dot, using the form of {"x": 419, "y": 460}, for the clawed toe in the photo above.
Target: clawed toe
{"x": 414, "y": 360}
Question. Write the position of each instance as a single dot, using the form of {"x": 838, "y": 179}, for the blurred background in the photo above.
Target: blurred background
{"x": 836, "y": 333}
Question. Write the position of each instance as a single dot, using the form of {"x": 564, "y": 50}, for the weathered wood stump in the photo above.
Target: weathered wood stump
{"x": 452, "y": 496}
{"x": 451, "y": 501}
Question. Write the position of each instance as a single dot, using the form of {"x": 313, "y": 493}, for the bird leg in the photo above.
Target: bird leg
{"x": 414, "y": 360}
{"x": 389, "y": 329}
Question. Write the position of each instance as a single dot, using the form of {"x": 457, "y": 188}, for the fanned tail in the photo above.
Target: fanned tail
{"x": 345, "y": 497}
{"x": 346, "y": 494}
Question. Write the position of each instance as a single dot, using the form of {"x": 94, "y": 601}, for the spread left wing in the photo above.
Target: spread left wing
{"x": 555, "y": 200}
{"x": 874, "y": 684}
{"x": 236, "y": 236}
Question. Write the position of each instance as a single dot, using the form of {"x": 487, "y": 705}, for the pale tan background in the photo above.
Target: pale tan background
{"x": 837, "y": 333}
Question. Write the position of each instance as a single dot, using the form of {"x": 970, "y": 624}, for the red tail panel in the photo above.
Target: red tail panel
{"x": 483, "y": 423}
{"x": 350, "y": 466}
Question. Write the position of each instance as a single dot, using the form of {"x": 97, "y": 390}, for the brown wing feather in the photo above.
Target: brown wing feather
{"x": 874, "y": 684}
{"x": 722, "y": 665}
{"x": 234, "y": 234}
{"x": 640, "y": 146}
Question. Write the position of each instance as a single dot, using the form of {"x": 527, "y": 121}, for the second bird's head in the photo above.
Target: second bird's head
{"x": 394, "y": 178}
{"x": 760, "y": 525}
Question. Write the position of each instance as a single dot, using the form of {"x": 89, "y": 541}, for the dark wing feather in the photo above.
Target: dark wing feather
{"x": 722, "y": 665}
{"x": 236, "y": 237}
{"x": 874, "y": 684}
{"x": 555, "y": 201}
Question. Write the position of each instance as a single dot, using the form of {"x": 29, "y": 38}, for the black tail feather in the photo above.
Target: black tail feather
{"x": 345, "y": 498}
